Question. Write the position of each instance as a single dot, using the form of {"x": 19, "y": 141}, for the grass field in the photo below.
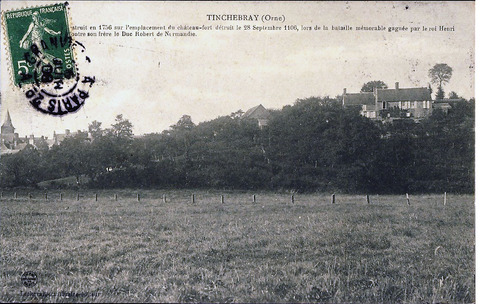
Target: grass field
{"x": 268, "y": 251}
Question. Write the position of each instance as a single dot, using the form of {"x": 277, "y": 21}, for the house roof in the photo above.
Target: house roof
{"x": 258, "y": 112}
{"x": 21, "y": 146}
{"x": 441, "y": 105}
{"x": 50, "y": 142}
{"x": 39, "y": 141}
{"x": 448, "y": 100}
{"x": 60, "y": 137}
{"x": 358, "y": 99}
{"x": 412, "y": 94}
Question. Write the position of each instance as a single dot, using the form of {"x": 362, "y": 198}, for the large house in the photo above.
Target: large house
{"x": 415, "y": 103}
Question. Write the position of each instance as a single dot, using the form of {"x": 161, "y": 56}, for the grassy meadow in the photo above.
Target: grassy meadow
{"x": 239, "y": 251}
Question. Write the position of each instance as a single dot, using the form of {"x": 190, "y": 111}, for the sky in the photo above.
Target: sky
{"x": 153, "y": 81}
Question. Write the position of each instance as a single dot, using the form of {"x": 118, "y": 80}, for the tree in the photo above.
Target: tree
{"x": 181, "y": 133}
{"x": 110, "y": 153}
{"x": 371, "y": 85}
{"x": 95, "y": 129}
{"x": 237, "y": 114}
{"x": 183, "y": 124}
{"x": 122, "y": 128}
{"x": 72, "y": 155}
{"x": 181, "y": 142}
{"x": 22, "y": 168}
{"x": 440, "y": 74}
{"x": 454, "y": 95}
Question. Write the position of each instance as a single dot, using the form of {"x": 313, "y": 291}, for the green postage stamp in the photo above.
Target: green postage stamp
{"x": 39, "y": 44}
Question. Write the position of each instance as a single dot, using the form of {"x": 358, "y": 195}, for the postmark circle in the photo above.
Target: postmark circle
{"x": 29, "y": 278}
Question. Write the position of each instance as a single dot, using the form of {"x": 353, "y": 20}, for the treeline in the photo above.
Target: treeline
{"x": 314, "y": 145}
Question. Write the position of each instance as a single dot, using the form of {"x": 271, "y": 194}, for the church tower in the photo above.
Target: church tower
{"x": 7, "y": 127}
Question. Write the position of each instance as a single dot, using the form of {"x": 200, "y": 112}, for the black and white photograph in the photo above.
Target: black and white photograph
{"x": 238, "y": 152}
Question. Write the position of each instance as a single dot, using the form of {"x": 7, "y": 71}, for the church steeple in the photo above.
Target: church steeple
{"x": 7, "y": 127}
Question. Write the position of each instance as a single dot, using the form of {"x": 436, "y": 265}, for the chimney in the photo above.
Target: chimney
{"x": 397, "y": 85}
{"x": 345, "y": 91}
{"x": 66, "y": 131}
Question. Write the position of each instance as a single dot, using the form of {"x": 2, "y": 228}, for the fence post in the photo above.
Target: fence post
{"x": 192, "y": 198}
{"x": 15, "y": 195}
{"x": 333, "y": 198}
{"x": 46, "y": 196}
{"x": 96, "y": 197}
{"x": 292, "y": 199}
{"x": 138, "y": 197}
{"x": 254, "y": 199}
{"x": 222, "y": 199}
{"x": 407, "y": 199}
{"x": 164, "y": 197}
{"x": 77, "y": 196}
{"x": 1, "y": 194}
{"x": 116, "y": 197}
{"x": 444, "y": 202}
{"x": 29, "y": 196}
{"x": 367, "y": 199}
{"x": 60, "y": 196}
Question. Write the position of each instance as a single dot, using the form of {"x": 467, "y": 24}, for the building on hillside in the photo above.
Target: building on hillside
{"x": 259, "y": 113}
{"x": 8, "y": 134}
{"x": 11, "y": 142}
{"x": 366, "y": 101}
{"x": 446, "y": 104}
{"x": 414, "y": 103}
{"x": 442, "y": 106}
{"x": 58, "y": 138}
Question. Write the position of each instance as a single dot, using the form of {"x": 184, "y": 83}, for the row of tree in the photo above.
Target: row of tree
{"x": 312, "y": 145}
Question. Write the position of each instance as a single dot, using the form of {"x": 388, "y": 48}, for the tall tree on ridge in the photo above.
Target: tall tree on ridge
{"x": 440, "y": 74}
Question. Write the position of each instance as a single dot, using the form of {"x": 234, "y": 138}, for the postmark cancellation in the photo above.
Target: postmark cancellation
{"x": 42, "y": 58}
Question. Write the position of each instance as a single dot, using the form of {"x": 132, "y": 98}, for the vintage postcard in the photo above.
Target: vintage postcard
{"x": 166, "y": 151}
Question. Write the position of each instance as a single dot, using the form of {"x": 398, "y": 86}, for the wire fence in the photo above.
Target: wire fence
{"x": 192, "y": 198}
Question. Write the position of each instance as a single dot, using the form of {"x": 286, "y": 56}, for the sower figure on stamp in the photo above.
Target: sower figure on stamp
{"x": 35, "y": 34}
